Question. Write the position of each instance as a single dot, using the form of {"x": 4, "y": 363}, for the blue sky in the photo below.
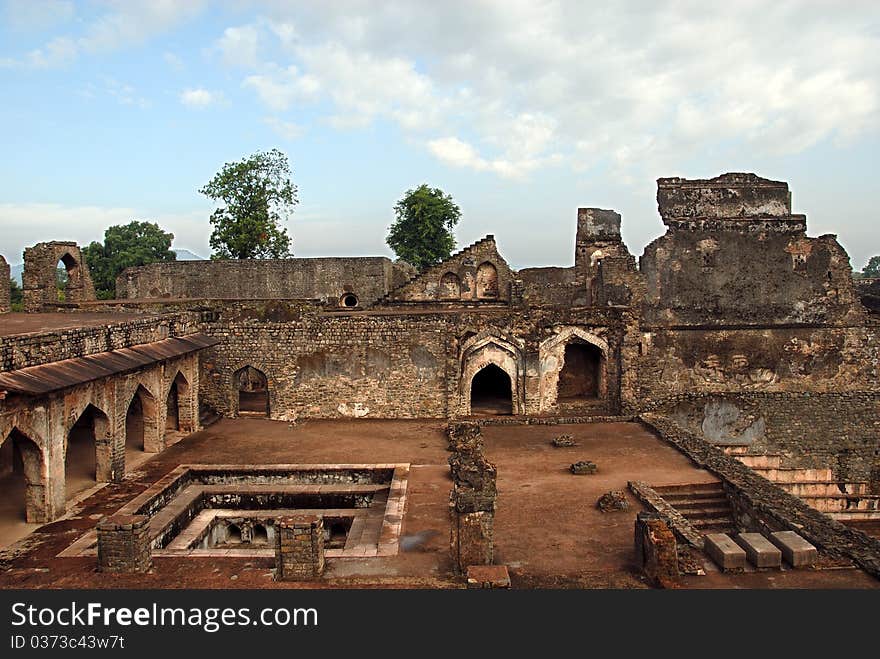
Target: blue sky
{"x": 523, "y": 111}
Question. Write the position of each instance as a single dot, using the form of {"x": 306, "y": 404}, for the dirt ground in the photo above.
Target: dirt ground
{"x": 547, "y": 530}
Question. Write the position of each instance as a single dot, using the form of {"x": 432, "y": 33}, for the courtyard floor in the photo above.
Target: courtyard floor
{"x": 548, "y": 530}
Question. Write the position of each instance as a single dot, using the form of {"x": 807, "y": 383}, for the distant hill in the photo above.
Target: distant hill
{"x": 182, "y": 255}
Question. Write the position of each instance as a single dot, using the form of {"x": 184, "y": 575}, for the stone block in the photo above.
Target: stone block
{"x": 796, "y": 551}
{"x": 563, "y": 441}
{"x": 583, "y": 467}
{"x": 656, "y": 549}
{"x": 759, "y": 550}
{"x": 488, "y": 576}
{"x": 728, "y": 555}
{"x": 612, "y": 501}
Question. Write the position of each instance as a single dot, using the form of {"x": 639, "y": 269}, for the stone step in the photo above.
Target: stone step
{"x": 793, "y": 474}
{"x": 760, "y": 461}
{"x": 692, "y": 489}
{"x": 728, "y": 555}
{"x": 824, "y": 488}
{"x": 759, "y": 550}
{"x": 707, "y": 513}
{"x": 708, "y": 502}
{"x": 714, "y": 525}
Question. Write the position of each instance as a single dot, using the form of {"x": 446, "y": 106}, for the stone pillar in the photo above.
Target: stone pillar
{"x": 299, "y": 548}
{"x": 656, "y": 549}
{"x": 124, "y": 544}
{"x": 5, "y": 305}
{"x": 472, "y": 500}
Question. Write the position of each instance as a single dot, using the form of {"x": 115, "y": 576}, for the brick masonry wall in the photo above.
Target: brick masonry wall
{"x": 839, "y": 431}
{"x": 327, "y": 279}
{"x": 763, "y": 506}
{"x": 124, "y": 544}
{"x": 4, "y": 286}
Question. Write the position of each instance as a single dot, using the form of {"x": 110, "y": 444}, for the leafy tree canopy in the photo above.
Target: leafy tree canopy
{"x": 16, "y": 295}
{"x": 873, "y": 267}
{"x": 422, "y": 232}
{"x": 256, "y": 197}
{"x": 125, "y": 246}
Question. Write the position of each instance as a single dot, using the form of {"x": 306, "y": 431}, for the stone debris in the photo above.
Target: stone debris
{"x": 583, "y": 467}
{"x": 612, "y": 501}
{"x": 563, "y": 440}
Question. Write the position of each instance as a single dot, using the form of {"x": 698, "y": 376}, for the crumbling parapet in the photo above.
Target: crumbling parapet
{"x": 656, "y": 549}
{"x": 40, "y": 277}
{"x": 299, "y": 548}
{"x": 5, "y": 293}
{"x": 472, "y": 500}
{"x": 124, "y": 544}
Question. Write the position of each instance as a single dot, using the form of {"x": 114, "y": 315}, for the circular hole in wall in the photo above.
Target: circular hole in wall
{"x": 349, "y": 300}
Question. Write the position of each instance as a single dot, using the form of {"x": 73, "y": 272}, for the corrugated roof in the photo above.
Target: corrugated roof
{"x": 38, "y": 380}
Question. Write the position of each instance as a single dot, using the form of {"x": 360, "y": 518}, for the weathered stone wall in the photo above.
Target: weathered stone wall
{"x": 838, "y": 431}
{"x": 734, "y": 254}
{"x": 39, "y": 279}
{"x": 22, "y": 350}
{"x": 552, "y": 286}
{"x": 477, "y": 273}
{"x": 299, "y": 548}
{"x": 325, "y": 279}
{"x": 124, "y": 544}
{"x": 735, "y": 359}
{"x": 333, "y": 365}
{"x": 4, "y": 286}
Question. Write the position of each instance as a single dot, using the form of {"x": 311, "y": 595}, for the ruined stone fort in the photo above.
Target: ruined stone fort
{"x": 301, "y": 412}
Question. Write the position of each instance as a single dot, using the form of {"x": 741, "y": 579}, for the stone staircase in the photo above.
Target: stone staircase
{"x": 704, "y": 505}
{"x": 815, "y": 486}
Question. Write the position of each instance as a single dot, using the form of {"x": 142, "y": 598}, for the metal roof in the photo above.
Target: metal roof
{"x": 42, "y": 379}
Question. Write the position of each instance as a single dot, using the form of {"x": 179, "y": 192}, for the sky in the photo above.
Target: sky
{"x": 523, "y": 111}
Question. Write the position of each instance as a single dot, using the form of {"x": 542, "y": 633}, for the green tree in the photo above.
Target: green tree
{"x": 873, "y": 267}
{"x": 422, "y": 232}
{"x": 16, "y": 295}
{"x": 256, "y": 197}
{"x": 126, "y": 246}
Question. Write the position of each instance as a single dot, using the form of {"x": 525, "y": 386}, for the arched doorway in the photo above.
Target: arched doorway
{"x": 68, "y": 278}
{"x": 580, "y": 380}
{"x": 21, "y": 481}
{"x": 87, "y": 455}
{"x": 141, "y": 424}
{"x": 491, "y": 392}
{"x": 487, "y": 281}
{"x": 177, "y": 414}
{"x": 253, "y": 392}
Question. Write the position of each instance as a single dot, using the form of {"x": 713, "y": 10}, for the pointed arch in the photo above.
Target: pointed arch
{"x": 178, "y": 405}
{"x": 88, "y": 451}
{"x": 252, "y": 391}
{"x": 22, "y": 478}
{"x": 450, "y": 286}
{"x": 487, "y": 281}
{"x": 142, "y": 422}
{"x": 573, "y": 368}
{"x": 483, "y": 349}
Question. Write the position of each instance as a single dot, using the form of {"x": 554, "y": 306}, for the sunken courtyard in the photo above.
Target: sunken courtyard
{"x": 702, "y": 416}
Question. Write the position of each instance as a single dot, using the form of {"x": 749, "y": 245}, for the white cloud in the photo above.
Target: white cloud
{"x": 285, "y": 129}
{"x": 199, "y": 97}
{"x": 631, "y": 85}
{"x": 239, "y": 46}
{"x": 26, "y": 15}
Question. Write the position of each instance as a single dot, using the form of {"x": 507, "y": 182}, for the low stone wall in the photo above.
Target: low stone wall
{"x": 299, "y": 548}
{"x": 763, "y": 506}
{"x": 23, "y": 350}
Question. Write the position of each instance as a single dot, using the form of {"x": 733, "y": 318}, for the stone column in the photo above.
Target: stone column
{"x": 299, "y": 548}
{"x": 124, "y": 544}
{"x": 656, "y": 549}
{"x": 472, "y": 500}
{"x": 4, "y": 286}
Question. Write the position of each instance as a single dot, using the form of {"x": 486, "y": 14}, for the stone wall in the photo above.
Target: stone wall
{"x": 124, "y": 544}
{"x": 324, "y": 279}
{"x": 734, "y": 254}
{"x": 477, "y": 273}
{"x": 39, "y": 279}
{"x": 4, "y": 286}
{"x": 22, "y": 350}
{"x": 838, "y": 431}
